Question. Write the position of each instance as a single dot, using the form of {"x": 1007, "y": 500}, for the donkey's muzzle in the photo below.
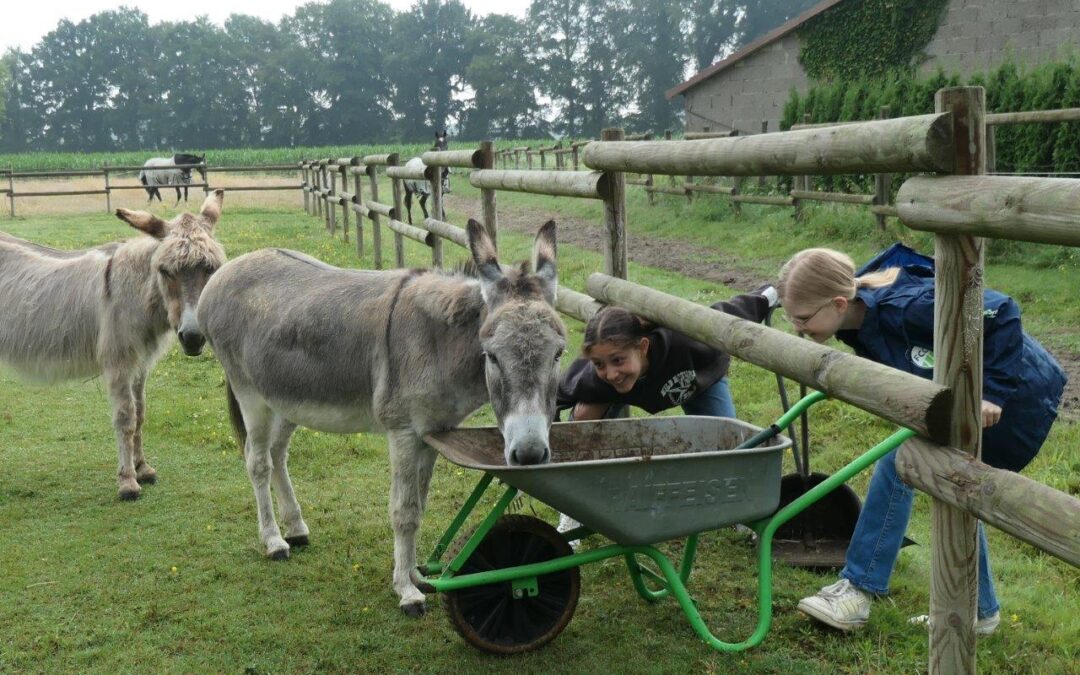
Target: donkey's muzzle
{"x": 192, "y": 341}
{"x": 526, "y": 438}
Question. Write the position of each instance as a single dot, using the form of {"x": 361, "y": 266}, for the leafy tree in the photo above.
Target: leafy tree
{"x": 503, "y": 77}
{"x": 428, "y": 65}
{"x": 655, "y": 48}
{"x": 712, "y": 26}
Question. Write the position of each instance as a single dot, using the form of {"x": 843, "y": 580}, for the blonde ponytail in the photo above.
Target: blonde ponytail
{"x": 815, "y": 275}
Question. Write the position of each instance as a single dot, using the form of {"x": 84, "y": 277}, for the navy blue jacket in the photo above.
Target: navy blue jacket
{"x": 1019, "y": 375}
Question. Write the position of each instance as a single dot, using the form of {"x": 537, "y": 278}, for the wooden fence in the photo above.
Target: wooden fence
{"x": 109, "y": 173}
{"x": 954, "y": 200}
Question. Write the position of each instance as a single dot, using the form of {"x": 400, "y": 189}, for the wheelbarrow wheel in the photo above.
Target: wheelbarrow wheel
{"x": 489, "y": 617}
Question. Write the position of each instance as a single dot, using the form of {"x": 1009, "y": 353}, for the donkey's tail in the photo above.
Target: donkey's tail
{"x": 235, "y": 416}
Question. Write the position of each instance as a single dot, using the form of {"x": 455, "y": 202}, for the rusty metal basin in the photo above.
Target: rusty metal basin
{"x": 640, "y": 480}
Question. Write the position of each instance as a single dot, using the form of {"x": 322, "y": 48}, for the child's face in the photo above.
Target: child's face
{"x": 818, "y": 322}
{"x": 621, "y": 367}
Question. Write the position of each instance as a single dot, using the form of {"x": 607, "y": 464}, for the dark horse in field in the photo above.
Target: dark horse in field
{"x": 420, "y": 187}
{"x": 163, "y": 171}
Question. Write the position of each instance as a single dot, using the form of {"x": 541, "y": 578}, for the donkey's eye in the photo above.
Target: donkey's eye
{"x": 558, "y": 355}
{"x": 165, "y": 273}
{"x": 491, "y": 359}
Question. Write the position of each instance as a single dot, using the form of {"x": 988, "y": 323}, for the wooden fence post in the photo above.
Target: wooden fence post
{"x": 488, "y": 196}
{"x": 958, "y": 364}
{"x": 615, "y": 216}
{"x": 359, "y": 189}
{"x": 304, "y": 186}
{"x": 331, "y": 208}
{"x": 397, "y": 188}
{"x": 882, "y": 181}
{"x": 574, "y": 152}
{"x": 376, "y": 231}
{"x": 345, "y": 206}
{"x": 11, "y": 190}
{"x": 528, "y": 160}
{"x": 736, "y": 190}
{"x": 108, "y": 190}
{"x": 316, "y": 186}
{"x": 435, "y": 179}
{"x": 991, "y": 150}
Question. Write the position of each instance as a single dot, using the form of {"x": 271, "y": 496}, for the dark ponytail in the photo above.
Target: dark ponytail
{"x": 615, "y": 325}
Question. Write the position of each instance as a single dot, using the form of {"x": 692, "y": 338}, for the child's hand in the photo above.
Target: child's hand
{"x": 990, "y": 414}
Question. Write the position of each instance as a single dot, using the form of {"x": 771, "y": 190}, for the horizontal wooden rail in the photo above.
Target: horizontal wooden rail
{"x": 698, "y": 135}
{"x": 381, "y": 209}
{"x": 249, "y": 188}
{"x": 1028, "y": 510}
{"x": 447, "y": 231}
{"x": 408, "y": 172}
{"x": 577, "y": 305}
{"x": 54, "y": 174}
{"x": 899, "y": 397}
{"x": 411, "y": 232}
{"x": 469, "y": 159}
{"x": 904, "y": 144}
{"x": 249, "y": 169}
{"x": 1059, "y": 115}
{"x": 361, "y": 170}
{"x": 167, "y": 167}
{"x": 771, "y": 200}
{"x": 823, "y": 125}
{"x": 714, "y": 189}
{"x": 1043, "y": 210}
{"x": 884, "y": 209}
{"x": 667, "y": 190}
{"x": 380, "y": 160}
{"x": 841, "y": 197}
{"x": 589, "y": 184}
{"x": 59, "y": 194}
{"x": 144, "y": 187}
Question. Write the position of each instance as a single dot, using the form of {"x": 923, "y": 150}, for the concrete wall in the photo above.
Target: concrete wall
{"x": 748, "y": 92}
{"x": 974, "y": 36}
{"x": 979, "y": 35}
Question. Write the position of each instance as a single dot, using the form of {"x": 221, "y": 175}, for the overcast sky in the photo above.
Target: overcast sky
{"x": 25, "y": 26}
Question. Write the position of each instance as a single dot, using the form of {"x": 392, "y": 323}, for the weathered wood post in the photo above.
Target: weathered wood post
{"x": 376, "y": 231}
{"x": 435, "y": 180}
{"x": 882, "y": 181}
{"x": 359, "y": 197}
{"x": 736, "y": 190}
{"x": 11, "y": 190}
{"x": 304, "y": 186}
{"x": 331, "y": 205}
{"x": 346, "y": 206}
{"x": 991, "y": 149}
{"x": 574, "y": 151}
{"x": 108, "y": 190}
{"x": 528, "y": 159}
{"x": 316, "y": 197}
{"x": 958, "y": 364}
{"x": 488, "y": 195}
{"x": 801, "y": 183}
{"x": 323, "y": 182}
{"x": 615, "y": 215}
{"x": 397, "y": 187}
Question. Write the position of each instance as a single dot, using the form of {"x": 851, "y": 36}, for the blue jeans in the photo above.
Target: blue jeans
{"x": 878, "y": 535}
{"x": 712, "y": 402}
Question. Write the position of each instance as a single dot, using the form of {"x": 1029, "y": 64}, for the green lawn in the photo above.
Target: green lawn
{"x": 177, "y": 581}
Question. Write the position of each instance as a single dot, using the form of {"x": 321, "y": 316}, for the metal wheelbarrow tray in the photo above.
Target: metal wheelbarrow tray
{"x": 639, "y": 481}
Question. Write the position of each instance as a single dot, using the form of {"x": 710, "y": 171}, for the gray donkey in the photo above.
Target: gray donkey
{"x": 109, "y": 309}
{"x": 404, "y": 352}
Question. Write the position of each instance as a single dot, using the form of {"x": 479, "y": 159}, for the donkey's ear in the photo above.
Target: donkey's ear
{"x": 211, "y": 208}
{"x": 144, "y": 221}
{"x": 544, "y": 253}
{"x": 484, "y": 255}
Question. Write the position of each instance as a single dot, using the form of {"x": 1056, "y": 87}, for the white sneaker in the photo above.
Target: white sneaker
{"x": 840, "y": 605}
{"x": 983, "y": 627}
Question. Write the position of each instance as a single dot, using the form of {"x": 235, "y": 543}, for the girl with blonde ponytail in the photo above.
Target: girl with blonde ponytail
{"x": 886, "y": 314}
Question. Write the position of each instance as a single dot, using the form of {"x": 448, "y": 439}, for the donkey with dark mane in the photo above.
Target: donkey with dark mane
{"x": 166, "y": 171}
{"x": 421, "y": 187}
{"x": 404, "y": 352}
{"x": 109, "y": 310}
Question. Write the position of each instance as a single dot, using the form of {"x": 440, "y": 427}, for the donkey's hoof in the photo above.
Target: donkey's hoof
{"x": 146, "y": 475}
{"x": 280, "y": 554}
{"x": 129, "y": 491}
{"x": 414, "y": 610}
{"x": 298, "y": 540}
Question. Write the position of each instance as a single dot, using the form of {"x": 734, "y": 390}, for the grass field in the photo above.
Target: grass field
{"x": 177, "y": 582}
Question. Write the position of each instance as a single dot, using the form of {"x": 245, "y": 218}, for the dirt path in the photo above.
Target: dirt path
{"x": 693, "y": 261}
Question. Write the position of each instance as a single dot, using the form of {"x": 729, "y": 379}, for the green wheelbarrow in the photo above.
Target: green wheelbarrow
{"x": 510, "y": 583}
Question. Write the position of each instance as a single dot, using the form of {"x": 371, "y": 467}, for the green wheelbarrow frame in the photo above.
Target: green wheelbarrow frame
{"x": 671, "y": 579}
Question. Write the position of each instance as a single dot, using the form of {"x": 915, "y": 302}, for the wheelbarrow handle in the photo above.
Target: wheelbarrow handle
{"x": 784, "y": 422}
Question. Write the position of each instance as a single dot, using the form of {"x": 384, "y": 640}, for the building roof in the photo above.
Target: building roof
{"x": 763, "y": 41}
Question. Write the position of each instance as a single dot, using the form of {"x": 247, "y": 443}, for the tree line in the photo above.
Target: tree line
{"x": 356, "y": 71}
